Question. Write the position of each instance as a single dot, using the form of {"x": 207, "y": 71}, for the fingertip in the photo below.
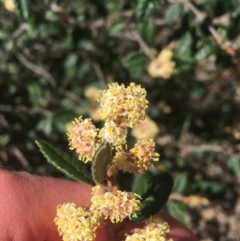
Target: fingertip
{"x": 178, "y": 232}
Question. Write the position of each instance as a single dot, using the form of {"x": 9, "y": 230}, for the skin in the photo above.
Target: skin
{"x": 28, "y": 207}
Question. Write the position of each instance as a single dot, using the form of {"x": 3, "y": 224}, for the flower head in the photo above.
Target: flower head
{"x": 123, "y": 105}
{"x": 115, "y": 206}
{"x": 83, "y": 137}
{"x": 126, "y": 162}
{"x": 91, "y": 93}
{"x": 144, "y": 151}
{"x": 113, "y": 133}
{"x": 156, "y": 227}
{"x": 162, "y": 66}
{"x": 138, "y": 159}
{"x": 155, "y": 230}
{"x": 76, "y": 224}
{"x": 147, "y": 128}
{"x": 9, "y": 5}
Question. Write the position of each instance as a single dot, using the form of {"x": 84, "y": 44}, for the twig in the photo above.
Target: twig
{"x": 142, "y": 44}
{"x": 21, "y": 29}
{"x": 3, "y": 122}
{"x": 176, "y": 196}
{"x": 233, "y": 233}
{"x": 197, "y": 13}
{"x": 107, "y": 21}
{"x": 70, "y": 95}
{"x": 225, "y": 45}
{"x": 201, "y": 148}
{"x": 100, "y": 74}
{"x": 19, "y": 155}
{"x": 178, "y": 1}
{"x": 8, "y": 108}
{"x": 36, "y": 69}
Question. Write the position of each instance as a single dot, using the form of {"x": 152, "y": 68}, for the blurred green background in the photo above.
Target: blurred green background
{"x": 55, "y": 54}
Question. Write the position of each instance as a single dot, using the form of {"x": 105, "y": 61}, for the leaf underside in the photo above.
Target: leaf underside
{"x": 100, "y": 162}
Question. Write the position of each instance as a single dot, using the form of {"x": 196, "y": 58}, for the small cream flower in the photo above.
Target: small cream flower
{"x": 155, "y": 230}
{"x": 113, "y": 133}
{"x": 135, "y": 237}
{"x": 144, "y": 151}
{"x": 138, "y": 159}
{"x": 91, "y": 94}
{"x": 123, "y": 105}
{"x": 83, "y": 137}
{"x": 9, "y": 5}
{"x": 162, "y": 66}
{"x": 76, "y": 224}
{"x": 115, "y": 206}
{"x": 147, "y": 128}
{"x": 125, "y": 161}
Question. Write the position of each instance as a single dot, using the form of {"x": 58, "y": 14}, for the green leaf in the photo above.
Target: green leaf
{"x": 154, "y": 190}
{"x": 184, "y": 47}
{"x": 86, "y": 45}
{"x": 146, "y": 30}
{"x": 180, "y": 183}
{"x": 177, "y": 210}
{"x": 4, "y": 139}
{"x": 211, "y": 186}
{"x": 140, "y": 179}
{"x": 22, "y": 7}
{"x": 204, "y": 52}
{"x": 62, "y": 116}
{"x": 234, "y": 165}
{"x": 135, "y": 63}
{"x": 117, "y": 29}
{"x": 101, "y": 159}
{"x": 45, "y": 125}
{"x": 236, "y": 7}
{"x": 71, "y": 60}
{"x": 144, "y": 8}
{"x": 64, "y": 162}
{"x": 51, "y": 16}
{"x": 186, "y": 125}
{"x": 134, "y": 59}
{"x": 173, "y": 12}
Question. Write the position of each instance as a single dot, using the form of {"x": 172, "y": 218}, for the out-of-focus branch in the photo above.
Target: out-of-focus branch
{"x": 20, "y": 30}
{"x": 142, "y": 44}
{"x": 200, "y": 148}
{"x": 8, "y": 108}
{"x": 21, "y": 158}
{"x": 36, "y": 69}
{"x": 100, "y": 74}
{"x": 224, "y": 44}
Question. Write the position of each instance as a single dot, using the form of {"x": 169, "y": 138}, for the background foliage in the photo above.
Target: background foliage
{"x": 53, "y": 51}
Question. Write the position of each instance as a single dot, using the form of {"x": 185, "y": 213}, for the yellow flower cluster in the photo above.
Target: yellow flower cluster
{"x": 115, "y": 206}
{"x": 120, "y": 107}
{"x": 9, "y": 5}
{"x": 76, "y": 224}
{"x": 114, "y": 133}
{"x": 155, "y": 229}
{"x": 83, "y": 137}
{"x": 125, "y": 106}
{"x": 138, "y": 159}
{"x": 162, "y": 66}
